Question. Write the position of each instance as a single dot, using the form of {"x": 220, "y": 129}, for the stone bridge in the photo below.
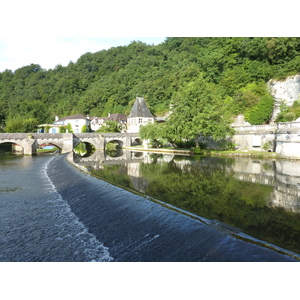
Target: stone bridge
{"x": 66, "y": 142}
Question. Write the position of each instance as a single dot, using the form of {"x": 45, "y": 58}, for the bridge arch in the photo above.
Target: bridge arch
{"x": 57, "y": 145}
{"x": 136, "y": 141}
{"x": 18, "y": 148}
{"x": 114, "y": 141}
{"x": 82, "y": 141}
{"x": 20, "y": 145}
{"x": 84, "y": 149}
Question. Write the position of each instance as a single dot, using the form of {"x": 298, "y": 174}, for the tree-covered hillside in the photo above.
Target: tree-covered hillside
{"x": 109, "y": 80}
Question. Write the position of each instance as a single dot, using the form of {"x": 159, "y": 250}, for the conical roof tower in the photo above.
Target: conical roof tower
{"x": 140, "y": 109}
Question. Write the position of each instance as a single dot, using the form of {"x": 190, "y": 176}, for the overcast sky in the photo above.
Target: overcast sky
{"x": 17, "y": 52}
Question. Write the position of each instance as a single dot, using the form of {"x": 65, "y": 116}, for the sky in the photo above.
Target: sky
{"x": 55, "y": 32}
{"x": 48, "y": 52}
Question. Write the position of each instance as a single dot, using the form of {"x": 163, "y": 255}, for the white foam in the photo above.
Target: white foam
{"x": 70, "y": 228}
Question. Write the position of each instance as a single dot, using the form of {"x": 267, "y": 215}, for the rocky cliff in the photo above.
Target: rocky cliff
{"x": 287, "y": 90}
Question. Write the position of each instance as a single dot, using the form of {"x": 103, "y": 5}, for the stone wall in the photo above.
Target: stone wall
{"x": 282, "y": 138}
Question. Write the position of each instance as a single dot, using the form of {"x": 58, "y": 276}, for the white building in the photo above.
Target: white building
{"x": 97, "y": 122}
{"x": 76, "y": 121}
{"x": 140, "y": 115}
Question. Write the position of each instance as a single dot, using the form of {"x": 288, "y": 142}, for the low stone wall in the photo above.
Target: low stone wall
{"x": 282, "y": 138}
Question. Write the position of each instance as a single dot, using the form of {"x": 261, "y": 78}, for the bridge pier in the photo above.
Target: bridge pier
{"x": 29, "y": 146}
{"x": 67, "y": 139}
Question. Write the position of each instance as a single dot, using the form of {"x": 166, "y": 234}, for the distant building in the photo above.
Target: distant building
{"x": 140, "y": 115}
{"x": 97, "y": 122}
{"x": 76, "y": 121}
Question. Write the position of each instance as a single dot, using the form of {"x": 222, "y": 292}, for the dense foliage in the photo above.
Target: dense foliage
{"x": 107, "y": 81}
{"x": 289, "y": 113}
{"x": 197, "y": 108}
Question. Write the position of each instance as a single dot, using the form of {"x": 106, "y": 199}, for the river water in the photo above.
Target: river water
{"x": 146, "y": 207}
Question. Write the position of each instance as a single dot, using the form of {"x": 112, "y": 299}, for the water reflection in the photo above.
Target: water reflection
{"x": 261, "y": 197}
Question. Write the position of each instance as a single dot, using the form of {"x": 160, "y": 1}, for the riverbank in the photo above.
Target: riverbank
{"x": 204, "y": 152}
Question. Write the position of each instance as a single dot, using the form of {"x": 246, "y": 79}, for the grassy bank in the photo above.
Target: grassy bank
{"x": 38, "y": 151}
{"x": 258, "y": 154}
{"x": 205, "y": 152}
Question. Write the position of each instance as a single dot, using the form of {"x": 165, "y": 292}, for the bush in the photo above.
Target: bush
{"x": 185, "y": 144}
{"x": 228, "y": 146}
{"x": 84, "y": 129}
{"x": 198, "y": 151}
{"x": 289, "y": 113}
{"x": 69, "y": 128}
{"x": 260, "y": 113}
{"x": 62, "y": 129}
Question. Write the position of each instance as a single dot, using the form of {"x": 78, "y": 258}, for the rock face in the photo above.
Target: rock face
{"x": 287, "y": 90}
{"x": 240, "y": 121}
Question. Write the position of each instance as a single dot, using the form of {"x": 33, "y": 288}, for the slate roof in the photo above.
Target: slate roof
{"x": 112, "y": 117}
{"x": 140, "y": 109}
{"x": 74, "y": 117}
{"x": 100, "y": 118}
{"x": 117, "y": 117}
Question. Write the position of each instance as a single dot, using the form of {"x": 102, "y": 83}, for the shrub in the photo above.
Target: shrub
{"x": 185, "y": 144}
{"x": 198, "y": 151}
{"x": 62, "y": 129}
{"x": 260, "y": 113}
{"x": 69, "y": 128}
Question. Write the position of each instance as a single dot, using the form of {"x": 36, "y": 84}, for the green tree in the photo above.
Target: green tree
{"x": 153, "y": 132}
{"x": 110, "y": 126}
{"x": 84, "y": 128}
{"x": 197, "y": 109}
{"x": 261, "y": 112}
{"x": 69, "y": 128}
{"x": 18, "y": 124}
{"x": 106, "y": 81}
{"x": 62, "y": 129}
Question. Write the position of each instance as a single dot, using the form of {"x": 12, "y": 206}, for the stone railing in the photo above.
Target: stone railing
{"x": 255, "y": 128}
{"x": 268, "y": 128}
{"x": 287, "y": 125}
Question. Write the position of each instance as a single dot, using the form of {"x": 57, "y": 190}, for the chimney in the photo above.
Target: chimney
{"x": 88, "y": 117}
{"x": 108, "y": 114}
{"x": 56, "y": 118}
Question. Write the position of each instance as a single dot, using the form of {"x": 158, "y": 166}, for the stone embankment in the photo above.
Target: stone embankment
{"x": 160, "y": 150}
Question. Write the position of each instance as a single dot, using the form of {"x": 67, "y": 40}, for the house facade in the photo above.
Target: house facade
{"x": 140, "y": 115}
{"x": 97, "y": 122}
{"x": 76, "y": 122}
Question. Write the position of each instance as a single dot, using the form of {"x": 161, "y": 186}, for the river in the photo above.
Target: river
{"x": 148, "y": 208}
